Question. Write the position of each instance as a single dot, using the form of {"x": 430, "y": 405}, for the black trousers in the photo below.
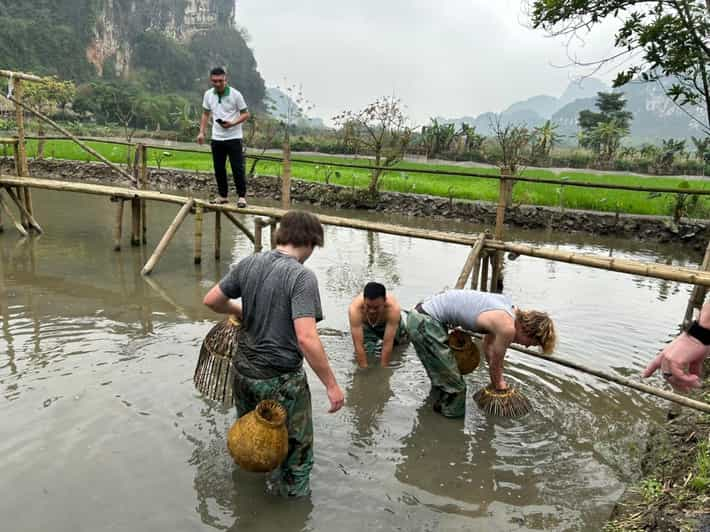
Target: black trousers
{"x": 221, "y": 149}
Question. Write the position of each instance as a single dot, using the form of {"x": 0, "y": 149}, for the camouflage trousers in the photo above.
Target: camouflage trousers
{"x": 448, "y": 388}
{"x": 292, "y": 478}
{"x": 373, "y": 335}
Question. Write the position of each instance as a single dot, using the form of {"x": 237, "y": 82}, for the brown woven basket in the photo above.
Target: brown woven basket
{"x": 258, "y": 441}
{"x": 466, "y": 352}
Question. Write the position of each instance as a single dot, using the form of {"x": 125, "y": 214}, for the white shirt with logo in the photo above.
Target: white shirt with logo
{"x": 226, "y": 106}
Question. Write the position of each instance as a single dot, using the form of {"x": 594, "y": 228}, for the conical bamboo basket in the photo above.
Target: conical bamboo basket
{"x": 213, "y": 374}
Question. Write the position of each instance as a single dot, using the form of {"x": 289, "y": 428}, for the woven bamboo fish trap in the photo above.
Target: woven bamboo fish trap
{"x": 213, "y": 374}
{"x": 258, "y": 441}
{"x": 503, "y": 403}
{"x": 466, "y": 352}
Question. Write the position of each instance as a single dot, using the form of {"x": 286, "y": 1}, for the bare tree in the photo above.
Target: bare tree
{"x": 380, "y": 129}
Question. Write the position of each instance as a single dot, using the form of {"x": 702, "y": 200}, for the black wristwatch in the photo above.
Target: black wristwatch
{"x": 699, "y": 332}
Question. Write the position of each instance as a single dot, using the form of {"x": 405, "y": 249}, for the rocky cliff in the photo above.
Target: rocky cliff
{"x": 117, "y": 23}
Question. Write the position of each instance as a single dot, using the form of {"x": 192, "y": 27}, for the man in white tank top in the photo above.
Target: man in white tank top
{"x": 492, "y": 314}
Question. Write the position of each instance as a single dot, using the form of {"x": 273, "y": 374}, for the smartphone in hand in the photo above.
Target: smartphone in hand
{"x": 221, "y": 121}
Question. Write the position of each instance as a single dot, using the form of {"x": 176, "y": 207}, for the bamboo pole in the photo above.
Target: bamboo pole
{"x": 167, "y": 237}
{"x": 698, "y": 295}
{"x": 484, "y": 271}
{"x": 20, "y": 149}
{"x": 286, "y": 177}
{"x": 10, "y": 215}
{"x": 664, "y": 394}
{"x": 239, "y": 224}
{"x": 118, "y": 227}
{"x": 198, "y": 234}
{"x": 272, "y": 232}
{"x": 52, "y": 123}
{"x": 659, "y": 271}
{"x": 30, "y": 219}
{"x": 217, "y": 235}
{"x": 473, "y": 258}
{"x": 496, "y": 259}
{"x": 257, "y": 235}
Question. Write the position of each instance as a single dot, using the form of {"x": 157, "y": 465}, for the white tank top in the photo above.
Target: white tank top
{"x": 461, "y": 308}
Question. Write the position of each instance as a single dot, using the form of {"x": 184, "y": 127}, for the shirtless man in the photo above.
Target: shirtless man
{"x": 376, "y": 324}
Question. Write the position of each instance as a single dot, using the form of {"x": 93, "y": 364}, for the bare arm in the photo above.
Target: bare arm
{"x": 217, "y": 301}
{"x": 203, "y": 126}
{"x": 358, "y": 336}
{"x": 312, "y": 348}
{"x": 391, "y": 326}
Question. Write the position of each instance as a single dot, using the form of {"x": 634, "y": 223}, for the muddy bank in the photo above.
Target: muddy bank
{"x": 673, "y": 493}
{"x": 693, "y": 233}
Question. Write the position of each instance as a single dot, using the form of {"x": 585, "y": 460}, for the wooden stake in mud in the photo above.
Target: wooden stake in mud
{"x": 167, "y": 237}
{"x": 118, "y": 227}
{"x": 504, "y": 193}
{"x": 473, "y": 258}
{"x": 198, "y": 234}
{"x": 144, "y": 185}
{"x": 136, "y": 201}
{"x": 217, "y": 235}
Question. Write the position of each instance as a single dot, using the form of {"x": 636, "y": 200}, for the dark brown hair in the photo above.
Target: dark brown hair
{"x": 299, "y": 228}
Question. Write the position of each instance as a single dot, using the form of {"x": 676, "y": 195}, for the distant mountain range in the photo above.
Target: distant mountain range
{"x": 277, "y": 102}
{"x": 655, "y": 116}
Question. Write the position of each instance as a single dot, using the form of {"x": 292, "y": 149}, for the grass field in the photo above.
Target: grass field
{"x": 400, "y": 180}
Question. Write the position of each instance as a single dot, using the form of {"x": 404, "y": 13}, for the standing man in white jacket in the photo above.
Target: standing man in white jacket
{"x": 228, "y": 110}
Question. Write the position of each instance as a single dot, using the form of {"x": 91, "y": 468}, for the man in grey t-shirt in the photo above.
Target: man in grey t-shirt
{"x": 279, "y": 308}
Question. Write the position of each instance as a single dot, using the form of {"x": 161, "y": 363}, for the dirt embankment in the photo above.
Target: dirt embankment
{"x": 673, "y": 493}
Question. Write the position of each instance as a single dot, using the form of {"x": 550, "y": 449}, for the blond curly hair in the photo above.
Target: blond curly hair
{"x": 539, "y": 326}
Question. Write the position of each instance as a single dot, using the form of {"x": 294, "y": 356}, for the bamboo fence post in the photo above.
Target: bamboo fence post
{"x": 477, "y": 264}
{"x": 496, "y": 259}
{"x": 484, "y": 271}
{"x": 257, "y": 235}
{"x": 286, "y": 177}
{"x": 217, "y": 235}
{"x": 31, "y": 222}
{"x": 118, "y": 227}
{"x": 136, "y": 201}
{"x": 144, "y": 185}
{"x": 22, "y": 167}
{"x": 698, "y": 294}
{"x": 14, "y": 220}
{"x": 167, "y": 237}
{"x": 472, "y": 259}
{"x": 272, "y": 232}
{"x": 198, "y": 234}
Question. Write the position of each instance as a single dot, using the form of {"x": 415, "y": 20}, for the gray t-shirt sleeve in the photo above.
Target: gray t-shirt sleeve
{"x": 230, "y": 285}
{"x": 305, "y": 299}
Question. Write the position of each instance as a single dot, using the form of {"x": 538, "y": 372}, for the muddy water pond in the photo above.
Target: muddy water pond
{"x": 102, "y": 429}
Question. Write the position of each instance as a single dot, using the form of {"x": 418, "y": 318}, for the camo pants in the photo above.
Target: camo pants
{"x": 373, "y": 335}
{"x": 448, "y": 388}
{"x": 292, "y": 478}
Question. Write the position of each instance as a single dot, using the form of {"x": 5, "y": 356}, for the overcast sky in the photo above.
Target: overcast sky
{"x": 449, "y": 58}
